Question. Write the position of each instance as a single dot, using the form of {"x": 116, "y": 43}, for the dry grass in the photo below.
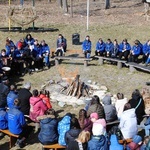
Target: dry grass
{"x": 123, "y": 21}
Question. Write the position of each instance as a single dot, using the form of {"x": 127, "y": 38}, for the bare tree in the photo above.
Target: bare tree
{"x": 65, "y": 6}
{"x": 60, "y": 3}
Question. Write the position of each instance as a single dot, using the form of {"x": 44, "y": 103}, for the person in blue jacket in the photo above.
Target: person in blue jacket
{"x": 63, "y": 127}
{"x": 48, "y": 123}
{"x": 3, "y": 118}
{"x": 98, "y": 141}
{"x": 108, "y": 48}
{"x": 114, "y": 144}
{"x": 17, "y": 124}
{"x": 61, "y": 45}
{"x": 124, "y": 49}
{"x": 115, "y": 49}
{"x": 146, "y": 49}
{"x": 29, "y": 40}
{"x": 100, "y": 48}
{"x": 12, "y": 95}
{"x": 37, "y": 55}
{"x": 45, "y": 53}
{"x": 9, "y": 44}
{"x": 86, "y": 47}
{"x": 135, "y": 52}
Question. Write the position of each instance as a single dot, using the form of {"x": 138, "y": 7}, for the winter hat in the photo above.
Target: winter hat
{"x": 136, "y": 139}
{"x": 97, "y": 129}
{"x": 94, "y": 115}
{"x": 102, "y": 122}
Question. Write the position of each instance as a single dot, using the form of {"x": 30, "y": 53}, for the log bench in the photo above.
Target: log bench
{"x": 109, "y": 125}
{"x": 133, "y": 66}
{"x": 13, "y": 137}
{"x": 54, "y": 146}
{"x": 59, "y": 58}
{"x": 118, "y": 61}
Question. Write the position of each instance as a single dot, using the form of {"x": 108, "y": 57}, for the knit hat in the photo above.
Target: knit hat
{"x": 97, "y": 129}
{"x": 94, "y": 115}
{"x": 136, "y": 139}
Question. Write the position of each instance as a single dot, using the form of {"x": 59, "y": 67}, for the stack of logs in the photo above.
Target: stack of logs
{"x": 77, "y": 88}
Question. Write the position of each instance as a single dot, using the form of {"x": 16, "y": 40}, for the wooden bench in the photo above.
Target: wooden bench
{"x": 13, "y": 137}
{"x": 54, "y": 146}
{"x": 119, "y": 62}
{"x": 58, "y": 58}
{"x": 116, "y": 122}
{"x": 133, "y": 66}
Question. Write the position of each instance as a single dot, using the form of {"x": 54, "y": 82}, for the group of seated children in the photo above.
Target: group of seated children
{"x": 87, "y": 132}
{"x": 116, "y": 50}
{"x": 28, "y": 54}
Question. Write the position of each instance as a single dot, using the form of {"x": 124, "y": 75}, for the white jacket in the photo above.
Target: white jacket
{"x": 120, "y": 105}
{"x": 128, "y": 123}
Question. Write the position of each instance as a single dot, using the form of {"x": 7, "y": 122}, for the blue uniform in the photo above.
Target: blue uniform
{"x": 123, "y": 46}
{"x": 16, "y": 120}
{"x": 46, "y": 52}
{"x": 12, "y": 95}
{"x": 100, "y": 46}
{"x": 3, "y": 119}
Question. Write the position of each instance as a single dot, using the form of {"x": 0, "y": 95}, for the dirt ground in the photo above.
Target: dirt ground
{"x": 125, "y": 19}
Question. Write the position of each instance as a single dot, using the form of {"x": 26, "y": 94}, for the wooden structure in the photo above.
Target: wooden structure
{"x": 13, "y": 137}
{"x": 119, "y": 62}
{"x": 59, "y": 58}
{"x": 54, "y": 146}
{"x": 77, "y": 88}
{"x": 133, "y": 66}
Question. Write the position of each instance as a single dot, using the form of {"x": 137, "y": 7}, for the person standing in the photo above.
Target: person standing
{"x": 24, "y": 95}
{"x": 4, "y": 90}
{"x": 86, "y": 47}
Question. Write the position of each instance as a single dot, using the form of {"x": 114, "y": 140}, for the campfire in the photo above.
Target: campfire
{"x": 76, "y": 88}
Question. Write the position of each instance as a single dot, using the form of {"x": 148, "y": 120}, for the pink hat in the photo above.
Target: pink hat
{"x": 94, "y": 115}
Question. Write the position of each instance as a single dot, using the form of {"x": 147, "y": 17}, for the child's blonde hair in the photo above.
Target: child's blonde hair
{"x": 84, "y": 136}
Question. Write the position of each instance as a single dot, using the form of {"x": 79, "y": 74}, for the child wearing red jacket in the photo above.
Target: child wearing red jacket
{"x": 44, "y": 95}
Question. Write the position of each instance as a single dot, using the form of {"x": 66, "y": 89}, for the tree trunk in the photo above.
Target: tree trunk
{"x": 71, "y": 7}
{"x": 60, "y": 3}
{"x": 65, "y": 6}
{"x": 107, "y": 4}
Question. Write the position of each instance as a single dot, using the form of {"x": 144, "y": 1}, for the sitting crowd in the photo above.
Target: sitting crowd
{"x": 91, "y": 130}
{"x": 28, "y": 54}
{"x": 116, "y": 50}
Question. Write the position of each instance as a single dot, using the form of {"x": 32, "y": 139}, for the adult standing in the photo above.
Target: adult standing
{"x": 137, "y": 102}
{"x": 4, "y": 90}
{"x": 24, "y": 95}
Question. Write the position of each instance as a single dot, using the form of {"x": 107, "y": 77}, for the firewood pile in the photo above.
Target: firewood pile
{"x": 76, "y": 88}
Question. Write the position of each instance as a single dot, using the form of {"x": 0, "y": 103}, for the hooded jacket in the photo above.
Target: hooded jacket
{"x": 12, "y": 95}
{"x": 63, "y": 127}
{"x": 140, "y": 110}
{"x": 46, "y": 100}
{"x": 99, "y": 109}
{"x": 37, "y": 108}
{"x": 114, "y": 145}
{"x": 128, "y": 123}
{"x": 3, "y": 119}
{"x": 98, "y": 143}
{"x": 110, "y": 110}
{"x": 120, "y": 106}
{"x": 48, "y": 132}
{"x": 16, "y": 120}
{"x": 71, "y": 135}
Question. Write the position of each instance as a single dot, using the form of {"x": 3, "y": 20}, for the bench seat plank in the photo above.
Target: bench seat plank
{"x": 54, "y": 146}
{"x": 13, "y": 137}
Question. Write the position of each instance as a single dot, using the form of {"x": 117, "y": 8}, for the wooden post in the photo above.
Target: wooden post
{"x": 9, "y": 18}
{"x": 85, "y": 63}
{"x": 65, "y": 6}
{"x": 56, "y": 62}
{"x": 100, "y": 59}
{"x": 132, "y": 69}
{"x": 107, "y": 4}
{"x": 119, "y": 65}
{"x": 71, "y": 8}
{"x": 60, "y": 3}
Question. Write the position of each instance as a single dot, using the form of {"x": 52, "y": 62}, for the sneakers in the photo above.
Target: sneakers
{"x": 19, "y": 144}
